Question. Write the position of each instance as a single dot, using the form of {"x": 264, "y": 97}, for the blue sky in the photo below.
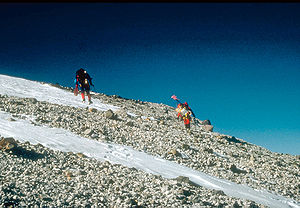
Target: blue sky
{"x": 236, "y": 64}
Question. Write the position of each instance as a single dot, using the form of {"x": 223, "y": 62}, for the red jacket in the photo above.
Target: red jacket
{"x": 187, "y": 118}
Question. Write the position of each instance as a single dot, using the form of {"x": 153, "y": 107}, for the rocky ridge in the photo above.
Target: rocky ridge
{"x": 155, "y": 130}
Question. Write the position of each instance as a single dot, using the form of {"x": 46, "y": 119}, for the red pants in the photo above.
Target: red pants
{"x": 88, "y": 94}
{"x": 187, "y": 123}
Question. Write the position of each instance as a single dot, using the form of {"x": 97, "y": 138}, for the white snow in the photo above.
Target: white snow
{"x": 63, "y": 140}
{"x": 19, "y": 87}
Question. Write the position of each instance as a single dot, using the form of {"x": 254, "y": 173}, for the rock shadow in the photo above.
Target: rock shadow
{"x": 11, "y": 202}
{"x": 26, "y": 154}
{"x": 234, "y": 140}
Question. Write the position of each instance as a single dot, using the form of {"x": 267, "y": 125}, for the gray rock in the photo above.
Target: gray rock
{"x": 11, "y": 119}
{"x": 182, "y": 179}
{"x": 92, "y": 110}
{"x": 88, "y": 132}
{"x": 234, "y": 169}
{"x": 186, "y": 146}
{"x": 175, "y": 153}
{"x": 130, "y": 123}
{"x": 57, "y": 119}
{"x": 7, "y": 143}
{"x": 206, "y": 122}
{"x": 208, "y": 128}
{"x": 109, "y": 114}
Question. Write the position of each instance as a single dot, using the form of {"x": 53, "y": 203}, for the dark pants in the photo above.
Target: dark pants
{"x": 187, "y": 126}
{"x": 84, "y": 88}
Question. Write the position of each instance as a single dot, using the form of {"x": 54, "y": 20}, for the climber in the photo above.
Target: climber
{"x": 188, "y": 108}
{"x": 178, "y": 110}
{"x": 83, "y": 82}
{"x": 182, "y": 105}
{"x": 187, "y": 121}
{"x": 182, "y": 109}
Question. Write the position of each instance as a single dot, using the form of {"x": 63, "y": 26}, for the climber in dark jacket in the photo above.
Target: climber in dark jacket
{"x": 83, "y": 82}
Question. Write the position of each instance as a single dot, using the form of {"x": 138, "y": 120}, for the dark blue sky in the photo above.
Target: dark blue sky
{"x": 237, "y": 64}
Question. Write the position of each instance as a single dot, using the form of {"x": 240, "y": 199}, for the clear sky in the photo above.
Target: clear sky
{"x": 236, "y": 64}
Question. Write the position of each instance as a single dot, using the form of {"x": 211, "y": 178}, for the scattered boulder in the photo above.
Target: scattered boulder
{"x": 206, "y": 122}
{"x": 81, "y": 155}
{"x": 11, "y": 119}
{"x": 186, "y": 146}
{"x": 133, "y": 202}
{"x": 252, "y": 159}
{"x": 68, "y": 175}
{"x": 161, "y": 122}
{"x": 253, "y": 205}
{"x": 122, "y": 113}
{"x": 233, "y": 139}
{"x": 208, "y": 128}
{"x": 185, "y": 192}
{"x": 110, "y": 114}
{"x": 92, "y": 110}
{"x": 236, "y": 205}
{"x": 32, "y": 100}
{"x": 175, "y": 153}
{"x": 116, "y": 96}
{"x": 130, "y": 123}
{"x": 183, "y": 179}
{"x": 221, "y": 137}
{"x": 234, "y": 169}
{"x": 94, "y": 136}
{"x": 219, "y": 192}
{"x": 88, "y": 132}
{"x": 7, "y": 143}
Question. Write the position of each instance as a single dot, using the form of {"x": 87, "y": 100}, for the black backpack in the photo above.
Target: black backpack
{"x": 81, "y": 76}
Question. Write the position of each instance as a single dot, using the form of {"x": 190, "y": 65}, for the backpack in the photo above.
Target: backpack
{"x": 83, "y": 77}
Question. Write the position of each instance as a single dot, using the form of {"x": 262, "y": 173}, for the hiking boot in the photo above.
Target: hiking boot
{"x": 83, "y": 101}
{"x": 90, "y": 102}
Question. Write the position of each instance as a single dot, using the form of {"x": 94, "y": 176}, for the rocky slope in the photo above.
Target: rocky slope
{"x": 33, "y": 174}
